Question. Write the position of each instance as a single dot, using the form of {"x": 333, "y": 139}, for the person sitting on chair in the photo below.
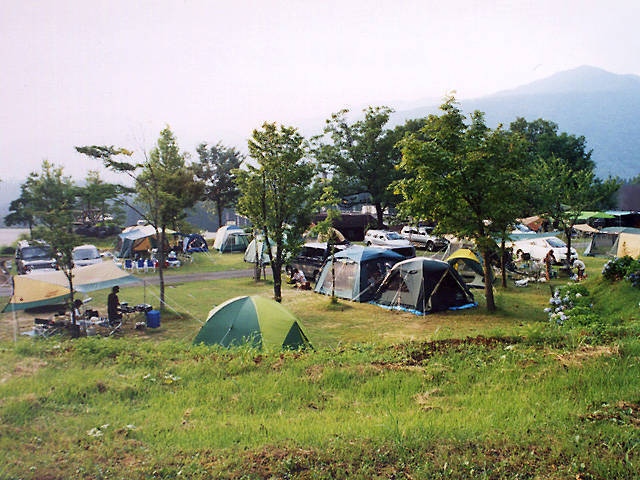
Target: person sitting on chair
{"x": 113, "y": 306}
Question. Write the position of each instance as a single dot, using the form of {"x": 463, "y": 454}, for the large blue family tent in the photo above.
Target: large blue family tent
{"x": 358, "y": 272}
{"x": 423, "y": 285}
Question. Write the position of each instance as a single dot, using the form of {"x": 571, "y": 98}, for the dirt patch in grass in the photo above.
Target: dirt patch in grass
{"x": 586, "y": 352}
{"x": 415, "y": 354}
{"x": 622, "y": 413}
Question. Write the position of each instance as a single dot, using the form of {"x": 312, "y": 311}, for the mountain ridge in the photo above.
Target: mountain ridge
{"x": 585, "y": 101}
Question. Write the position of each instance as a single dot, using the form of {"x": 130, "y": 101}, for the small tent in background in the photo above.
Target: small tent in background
{"x": 257, "y": 251}
{"x": 194, "y": 242}
{"x": 231, "y": 238}
{"x": 253, "y": 320}
{"x": 423, "y": 285}
{"x": 139, "y": 239}
{"x": 468, "y": 266}
{"x": 628, "y": 244}
{"x": 358, "y": 272}
{"x": 605, "y": 241}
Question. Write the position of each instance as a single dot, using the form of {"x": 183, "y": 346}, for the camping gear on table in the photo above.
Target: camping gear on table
{"x": 423, "y": 285}
{"x": 253, "y": 320}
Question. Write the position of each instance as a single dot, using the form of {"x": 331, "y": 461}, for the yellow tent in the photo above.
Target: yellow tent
{"x": 628, "y": 244}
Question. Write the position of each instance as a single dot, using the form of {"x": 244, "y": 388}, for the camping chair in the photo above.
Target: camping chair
{"x": 128, "y": 265}
{"x": 151, "y": 264}
{"x": 141, "y": 265}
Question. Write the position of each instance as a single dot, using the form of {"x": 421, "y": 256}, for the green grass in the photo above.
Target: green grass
{"x": 384, "y": 394}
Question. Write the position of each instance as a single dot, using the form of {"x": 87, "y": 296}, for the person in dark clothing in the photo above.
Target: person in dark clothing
{"x": 113, "y": 306}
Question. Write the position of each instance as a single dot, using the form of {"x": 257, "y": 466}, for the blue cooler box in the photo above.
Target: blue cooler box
{"x": 153, "y": 318}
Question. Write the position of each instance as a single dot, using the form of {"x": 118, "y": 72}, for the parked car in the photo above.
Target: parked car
{"x": 537, "y": 248}
{"x": 310, "y": 259}
{"x": 34, "y": 256}
{"x": 391, "y": 241}
{"x": 84, "y": 255}
{"x": 421, "y": 237}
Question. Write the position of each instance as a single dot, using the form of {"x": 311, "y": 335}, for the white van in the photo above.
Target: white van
{"x": 84, "y": 255}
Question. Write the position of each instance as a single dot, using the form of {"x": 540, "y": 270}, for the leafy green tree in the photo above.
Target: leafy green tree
{"x": 96, "y": 198}
{"x": 462, "y": 175}
{"x": 325, "y": 229}
{"x": 275, "y": 194}
{"x": 52, "y": 201}
{"x": 361, "y": 156}
{"x": 215, "y": 171}
{"x": 165, "y": 187}
{"x": 21, "y": 211}
{"x": 567, "y": 193}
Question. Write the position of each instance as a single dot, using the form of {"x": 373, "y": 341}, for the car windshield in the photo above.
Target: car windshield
{"x": 556, "y": 242}
{"x": 394, "y": 236}
{"x": 85, "y": 254}
{"x": 31, "y": 253}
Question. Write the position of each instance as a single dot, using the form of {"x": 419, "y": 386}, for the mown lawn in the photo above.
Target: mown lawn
{"x": 383, "y": 395}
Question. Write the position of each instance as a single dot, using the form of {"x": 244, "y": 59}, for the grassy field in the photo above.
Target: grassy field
{"x": 383, "y": 395}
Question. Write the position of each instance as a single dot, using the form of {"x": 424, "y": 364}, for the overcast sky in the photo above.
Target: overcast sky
{"x": 115, "y": 72}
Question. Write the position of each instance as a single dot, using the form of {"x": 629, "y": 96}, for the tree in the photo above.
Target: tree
{"x": 96, "y": 197}
{"x": 215, "y": 171}
{"x": 361, "y": 157}
{"x": 164, "y": 186}
{"x": 329, "y": 202}
{"x": 274, "y": 195}
{"x": 567, "y": 193}
{"x": 463, "y": 175}
{"x": 21, "y": 211}
{"x": 52, "y": 202}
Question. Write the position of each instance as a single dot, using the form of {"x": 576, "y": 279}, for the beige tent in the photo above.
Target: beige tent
{"x": 628, "y": 245}
{"x": 52, "y": 288}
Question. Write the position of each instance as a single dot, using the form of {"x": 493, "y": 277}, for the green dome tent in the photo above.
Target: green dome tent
{"x": 254, "y": 320}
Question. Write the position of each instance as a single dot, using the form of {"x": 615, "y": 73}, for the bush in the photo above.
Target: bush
{"x": 572, "y": 305}
{"x": 623, "y": 268}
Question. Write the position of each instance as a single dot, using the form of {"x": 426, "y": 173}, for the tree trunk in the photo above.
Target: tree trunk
{"x": 219, "y": 211}
{"x": 379, "y": 214}
{"x": 488, "y": 286}
{"x": 161, "y": 260}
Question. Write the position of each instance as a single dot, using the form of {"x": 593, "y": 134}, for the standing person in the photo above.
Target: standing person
{"x": 549, "y": 260}
{"x": 113, "y": 306}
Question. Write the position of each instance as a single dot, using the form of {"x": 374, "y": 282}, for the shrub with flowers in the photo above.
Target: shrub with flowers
{"x": 571, "y": 305}
{"x": 622, "y": 268}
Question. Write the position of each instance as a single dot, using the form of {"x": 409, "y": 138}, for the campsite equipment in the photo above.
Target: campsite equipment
{"x": 358, "y": 272}
{"x": 52, "y": 288}
{"x": 468, "y": 266}
{"x": 153, "y": 318}
{"x": 423, "y": 285}
{"x": 230, "y": 238}
{"x": 253, "y": 320}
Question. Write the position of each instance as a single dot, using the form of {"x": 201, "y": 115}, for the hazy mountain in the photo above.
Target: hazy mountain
{"x": 588, "y": 101}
